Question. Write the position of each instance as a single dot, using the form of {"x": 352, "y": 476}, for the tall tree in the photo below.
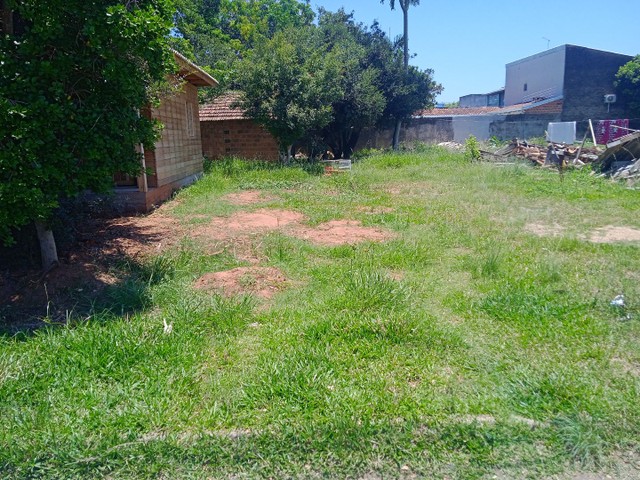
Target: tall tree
{"x": 288, "y": 84}
{"x": 218, "y": 33}
{"x": 361, "y": 101}
{"x": 72, "y": 81}
{"x": 404, "y": 5}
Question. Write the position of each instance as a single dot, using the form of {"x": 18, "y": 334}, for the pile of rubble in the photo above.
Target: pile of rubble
{"x": 620, "y": 160}
{"x": 553, "y": 154}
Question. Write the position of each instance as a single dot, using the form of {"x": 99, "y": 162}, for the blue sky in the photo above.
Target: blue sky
{"x": 468, "y": 42}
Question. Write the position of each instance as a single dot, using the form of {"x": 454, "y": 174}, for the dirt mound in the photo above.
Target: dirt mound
{"x": 245, "y": 223}
{"x": 611, "y": 234}
{"x": 341, "y": 232}
{"x": 263, "y": 282}
{"x": 247, "y": 197}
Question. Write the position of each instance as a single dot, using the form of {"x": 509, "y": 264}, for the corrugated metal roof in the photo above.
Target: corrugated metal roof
{"x": 222, "y": 108}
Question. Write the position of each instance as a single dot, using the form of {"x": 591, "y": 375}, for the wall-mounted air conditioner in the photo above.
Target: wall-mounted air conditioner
{"x": 610, "y": 98}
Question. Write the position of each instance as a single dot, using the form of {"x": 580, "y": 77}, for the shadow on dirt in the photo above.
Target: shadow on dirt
{"x": 101, "y": 271}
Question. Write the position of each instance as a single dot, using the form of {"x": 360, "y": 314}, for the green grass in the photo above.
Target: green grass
{"x": 462, "y": 348}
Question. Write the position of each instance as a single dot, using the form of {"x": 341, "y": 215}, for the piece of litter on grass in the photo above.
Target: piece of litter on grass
{"x": 168, "y": 327}
{"x": 618, "y": 301}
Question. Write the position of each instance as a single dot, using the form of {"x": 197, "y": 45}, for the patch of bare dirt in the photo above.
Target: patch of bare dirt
{"x": 613, "y": 234}
{"x": 341, "y": 232}
{"x": 246, "y": 223}
{"x": 134, "y": 236}
{"x": 544, "y": 230}
{"x": 87, "y": 268}
{"x": 247, "y": 197}
{"x": 27, "y": 295}
{"x": 263, "y": 282}
{"x": 397, "y": 275}
{"x": 411, "y": 189}
{"x": 622, "y": 466}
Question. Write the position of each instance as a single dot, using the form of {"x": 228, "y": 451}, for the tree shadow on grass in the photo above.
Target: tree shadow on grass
{"x": 100, "y": 272}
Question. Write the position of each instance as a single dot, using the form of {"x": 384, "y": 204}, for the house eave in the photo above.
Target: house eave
{"x": 193, "y": 73}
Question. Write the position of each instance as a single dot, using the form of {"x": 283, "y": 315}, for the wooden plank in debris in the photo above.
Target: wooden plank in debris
{"x": 593, "y": 134}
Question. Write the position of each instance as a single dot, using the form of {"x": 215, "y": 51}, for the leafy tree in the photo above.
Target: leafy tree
{"x": 628, "y": 84}
{"x": 288, "y": 84}
{"x": 218, "y": 33}
{"x": 71, "y": 86}
{"x": 407, "y": 92}
{"x": 361, "y": 101}
{"x": 405, "y": 89}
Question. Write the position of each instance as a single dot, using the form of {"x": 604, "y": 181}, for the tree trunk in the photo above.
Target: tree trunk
{"x": 405, "y": 13}
{"x": 396, "y": 135}
{"x": 48, "y": 251}
{"x": 289, "y": 148}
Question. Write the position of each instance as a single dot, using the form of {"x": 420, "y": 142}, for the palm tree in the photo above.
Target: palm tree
{"x": 404, "y": 5}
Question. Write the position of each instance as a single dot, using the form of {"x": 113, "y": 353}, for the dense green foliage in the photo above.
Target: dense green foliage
{"x": 328, "y": 82}
{"x": 628, "y": 84}
{"x": 464, "y": 347}
{"x": 367, "y": 85}
{"x": 361, "y": 101}
{"x": 217, "y": 33}
{"x": 288, "y": 84}
{"x": 71, "y": 86}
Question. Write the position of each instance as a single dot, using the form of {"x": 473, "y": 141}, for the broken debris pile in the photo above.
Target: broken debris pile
{"x": 553, "y": 154}
{"x": 621, "y": 159}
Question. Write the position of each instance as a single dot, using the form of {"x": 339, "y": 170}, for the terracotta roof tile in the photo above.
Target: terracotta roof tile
{"x": 553, "y": 105}
{"x": 222, "y": 108}
{"x": 448, "y": 112}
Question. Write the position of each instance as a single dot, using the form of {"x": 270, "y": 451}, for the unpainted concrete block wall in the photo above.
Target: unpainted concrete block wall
{"x": 589, "y": 76}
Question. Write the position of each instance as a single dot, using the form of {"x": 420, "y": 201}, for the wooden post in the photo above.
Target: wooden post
{"x": 143, "y": 185}
{"x": 595, "y": 142}
{"x": 577, "y": 161}
{"x": 6, "y": 19}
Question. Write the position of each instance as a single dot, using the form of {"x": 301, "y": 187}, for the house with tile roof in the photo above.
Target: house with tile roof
{"x": 176, "y": 160}
{"x": 227, "y": 132}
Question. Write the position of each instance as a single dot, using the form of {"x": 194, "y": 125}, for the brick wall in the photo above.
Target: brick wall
{"x": 178, "y": 153}
{"x": 238, "y": 138}
{"x": 589, "y": 76}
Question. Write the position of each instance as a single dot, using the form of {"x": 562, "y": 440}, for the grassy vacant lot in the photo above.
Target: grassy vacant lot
{"x": 478, "y": 341}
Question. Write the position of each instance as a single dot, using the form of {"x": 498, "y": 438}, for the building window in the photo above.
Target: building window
{"x": 191, "y": 131}
{"x": 525, "y": 87}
